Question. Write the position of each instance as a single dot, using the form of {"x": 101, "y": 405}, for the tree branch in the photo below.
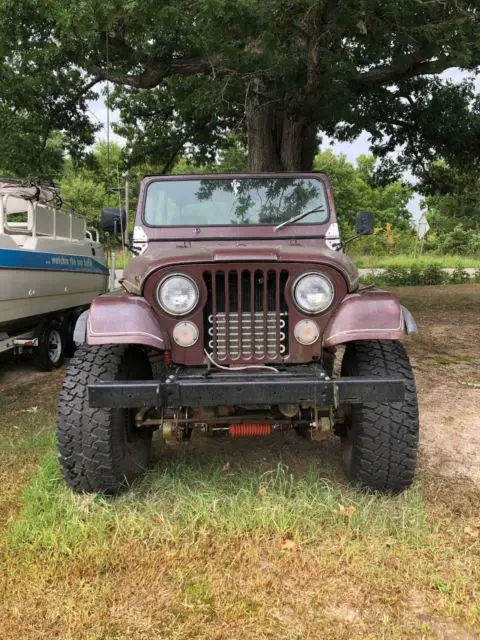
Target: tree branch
{"x": 86, "y": 88}
{"x": 151, "y": 78}
{"x": 417, "y": 67}
{"x": 155, "y": 71}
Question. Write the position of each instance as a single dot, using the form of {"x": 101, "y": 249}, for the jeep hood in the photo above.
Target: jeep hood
{"x": 141, "y": 267}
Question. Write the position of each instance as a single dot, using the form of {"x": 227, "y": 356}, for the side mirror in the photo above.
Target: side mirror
{"x": 114, "y": 220}
{"x": 364, "y": 223}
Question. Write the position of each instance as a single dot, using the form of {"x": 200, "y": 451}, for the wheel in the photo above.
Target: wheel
{"x": 380, "y": 441}
{"x": 101, "y": 450}
{"x": 68, "y": 329}
{"x": 50, "y": 352}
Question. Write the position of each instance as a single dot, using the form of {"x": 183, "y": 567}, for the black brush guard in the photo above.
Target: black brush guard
{"x": 244, "y": 389}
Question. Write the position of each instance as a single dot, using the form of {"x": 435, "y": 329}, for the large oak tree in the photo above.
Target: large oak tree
{"x": 278, "y": 72}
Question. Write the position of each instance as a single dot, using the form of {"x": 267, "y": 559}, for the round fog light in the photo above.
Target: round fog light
{"x": 185, "y": 334}
{"x": 306, "y": 332}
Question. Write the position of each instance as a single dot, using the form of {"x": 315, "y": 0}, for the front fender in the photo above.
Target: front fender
{"x": 368, "y": 315}
{"x": 124, "y": 319}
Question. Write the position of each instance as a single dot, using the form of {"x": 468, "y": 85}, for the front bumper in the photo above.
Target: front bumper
{"x": 244, "y": 389}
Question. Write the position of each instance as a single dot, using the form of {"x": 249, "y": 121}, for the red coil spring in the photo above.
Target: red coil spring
{"x": 255, "y": 429}
{"x": 167, "y": 358}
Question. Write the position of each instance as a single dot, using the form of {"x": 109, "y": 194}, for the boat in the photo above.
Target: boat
{"x": 51, "y": 268}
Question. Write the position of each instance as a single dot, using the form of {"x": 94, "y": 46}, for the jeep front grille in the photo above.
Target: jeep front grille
{"x": 246, "y": 317}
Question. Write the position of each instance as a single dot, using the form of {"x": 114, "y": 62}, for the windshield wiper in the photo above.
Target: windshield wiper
{"x": 299, "y": 217}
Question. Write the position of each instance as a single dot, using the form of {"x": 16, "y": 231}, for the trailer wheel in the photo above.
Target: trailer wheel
{"x": 101, "y": 450}
{"x": 380, "y": 440}
{"x": 50, "y": 352}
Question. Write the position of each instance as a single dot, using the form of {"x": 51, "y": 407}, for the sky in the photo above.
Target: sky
{"x": 353, "y": 149}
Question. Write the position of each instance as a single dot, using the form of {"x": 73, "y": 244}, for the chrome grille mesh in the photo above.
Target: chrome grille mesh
{"x": 246, "y": 317}
{"x": 247, "y": 336}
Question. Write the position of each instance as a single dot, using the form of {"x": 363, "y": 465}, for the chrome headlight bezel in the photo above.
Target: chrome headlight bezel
{"x": 317, "y": 310}
{"x": 165, "y": 307}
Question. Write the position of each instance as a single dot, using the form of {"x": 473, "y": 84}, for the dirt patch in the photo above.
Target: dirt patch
{"x": 446, "y": 357}
{"x": 18, "y": 370}
{"x": 418, "y": 609}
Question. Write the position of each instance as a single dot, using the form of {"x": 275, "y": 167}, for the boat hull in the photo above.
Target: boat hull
{"x": 35, "y": 284}
{"x": 26, "y": 296}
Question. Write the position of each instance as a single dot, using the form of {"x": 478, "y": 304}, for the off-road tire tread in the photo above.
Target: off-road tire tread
{"x": 88, "y": 447}
{"x": 71, "y": 407}
{"x": 384, "y": 436}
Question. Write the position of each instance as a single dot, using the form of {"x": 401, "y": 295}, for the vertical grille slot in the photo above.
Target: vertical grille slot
{"x": 246, "y": 316}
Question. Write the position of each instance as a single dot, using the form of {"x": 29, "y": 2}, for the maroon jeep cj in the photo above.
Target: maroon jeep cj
{"x": 240, "y": 314}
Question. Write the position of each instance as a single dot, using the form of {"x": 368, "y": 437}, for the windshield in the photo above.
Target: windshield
{"x": 236, "y": 201}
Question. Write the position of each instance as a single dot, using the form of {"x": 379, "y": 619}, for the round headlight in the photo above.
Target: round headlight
{"x": 313, "y": 293}
{"x": 177, "y": 294}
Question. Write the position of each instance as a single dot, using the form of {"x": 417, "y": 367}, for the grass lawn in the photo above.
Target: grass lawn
{"x": 227, "y": 540}
{"x": 406, "y": 260}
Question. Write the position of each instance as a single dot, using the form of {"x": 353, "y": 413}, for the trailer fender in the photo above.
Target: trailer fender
{"x": 368, "y": 315}
{"x": 80, "y": 331}
{"x": 124, "y": 319}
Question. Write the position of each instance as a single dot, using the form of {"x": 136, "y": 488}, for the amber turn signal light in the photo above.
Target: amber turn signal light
{"x": 306, "y": 332}
{"x": 185, "y": 334}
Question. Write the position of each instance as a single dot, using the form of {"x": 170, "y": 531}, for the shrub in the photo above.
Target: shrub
{"x": 415, "y": 276}
{"x": 396, "y": 276}
{"x": 430, "y": 274}
{"x": 374, "y": 245}
{"x": 474, "y": 243}
{"x": 433, "y": 274}
{"x": 459, "y": 276}
{"x": 456, "y": 241}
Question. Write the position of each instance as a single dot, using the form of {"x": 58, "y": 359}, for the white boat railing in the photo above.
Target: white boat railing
{"x": 42, "y": 220}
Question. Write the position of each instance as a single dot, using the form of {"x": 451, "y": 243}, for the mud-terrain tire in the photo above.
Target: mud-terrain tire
{"x": 101, "y": 450}
{"x": 380, "y": 441}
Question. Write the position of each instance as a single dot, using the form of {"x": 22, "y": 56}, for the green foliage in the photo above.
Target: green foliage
{"x": 415, "y": 275}
{"x": 453, "y": 209}
{"x": 92, "y": 185}
{"x": 85, "y": 194}
{"x": 355, "y": 190}
{"x": 433, "y": 274}
{"x": 456, "y": 241}
{"x": 230, "y": 159}
{"x": 459, "y": 276}
{"x": 43, "y": 96}
{"x": 188, "y": 73}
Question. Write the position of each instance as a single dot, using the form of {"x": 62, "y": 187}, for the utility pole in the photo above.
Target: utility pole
{"x": 126, "y": 175}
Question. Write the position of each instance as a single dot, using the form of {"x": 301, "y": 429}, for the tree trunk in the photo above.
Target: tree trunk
{"x": 278, "y": 141}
